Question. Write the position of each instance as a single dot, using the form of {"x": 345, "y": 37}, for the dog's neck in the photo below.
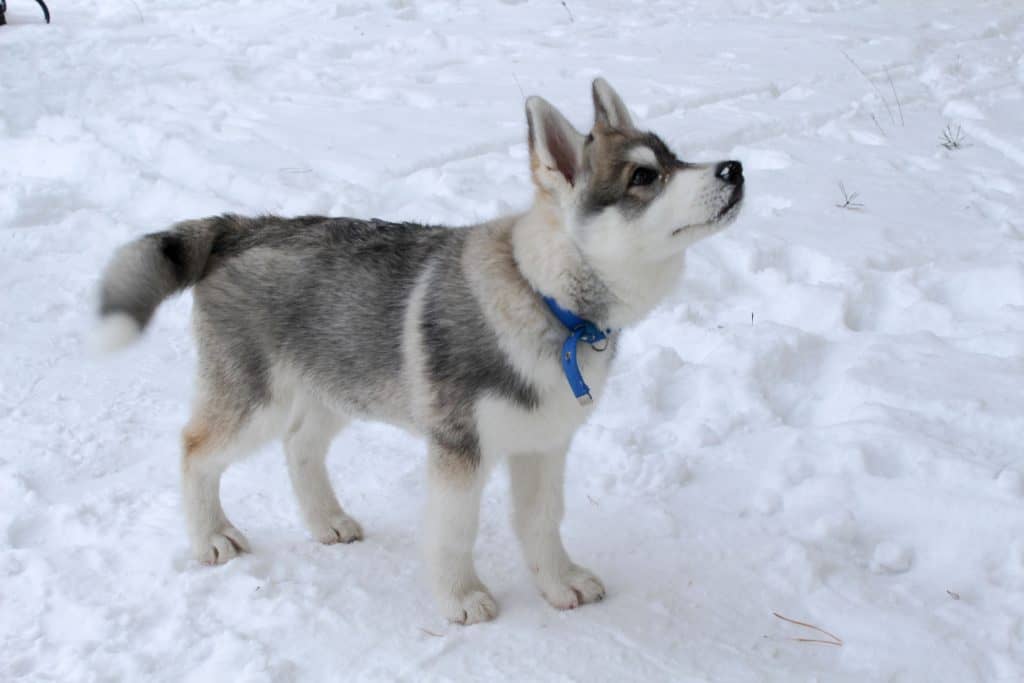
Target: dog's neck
{"x": 613, "y": 295}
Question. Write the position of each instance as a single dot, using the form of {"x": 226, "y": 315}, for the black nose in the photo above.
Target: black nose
{"x": 730, "y": 172}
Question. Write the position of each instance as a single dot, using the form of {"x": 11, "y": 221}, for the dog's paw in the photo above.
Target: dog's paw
{"x": 221, "y": 546}
{"x": 338, "y": 528}
{"x": 473, "y": 607}
{"x": 575, "y": 587}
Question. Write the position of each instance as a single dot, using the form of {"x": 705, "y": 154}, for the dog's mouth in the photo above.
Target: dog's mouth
{"x": 734, "y": 201}
{"x": 724, "y": 215}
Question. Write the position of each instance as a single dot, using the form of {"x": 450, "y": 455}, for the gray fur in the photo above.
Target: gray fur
{"x": 463, "y": 358}
{"x": 609, "y": 109}
{"x": 305, "y": 323}
{"x": 147, "y": 271}
{"x": 606, "y": 156}
{"x": 328, "y": 298}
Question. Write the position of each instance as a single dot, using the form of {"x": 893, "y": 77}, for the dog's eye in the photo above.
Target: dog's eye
{"x": 643, "y": 176}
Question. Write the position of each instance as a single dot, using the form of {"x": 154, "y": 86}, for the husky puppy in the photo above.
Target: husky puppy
{"x": 478, "y": 338}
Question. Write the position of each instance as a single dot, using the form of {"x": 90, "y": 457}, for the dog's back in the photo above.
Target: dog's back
{"x": 322, "y": 298}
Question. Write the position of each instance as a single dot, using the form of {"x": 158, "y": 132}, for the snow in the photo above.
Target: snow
{"x": 824, "y": 420}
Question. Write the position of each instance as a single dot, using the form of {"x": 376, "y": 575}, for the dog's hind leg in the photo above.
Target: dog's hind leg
{"x": 537, "y": 510}
{"x": 216, "y": 436}
{"x": 306, "y": 444}
{"x": 209, "y": 447}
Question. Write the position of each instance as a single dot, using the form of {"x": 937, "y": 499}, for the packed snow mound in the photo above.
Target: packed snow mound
{"x": 823, "y": 422}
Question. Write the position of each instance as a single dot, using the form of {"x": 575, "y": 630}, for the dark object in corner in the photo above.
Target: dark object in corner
{"x": 3, "y": 10}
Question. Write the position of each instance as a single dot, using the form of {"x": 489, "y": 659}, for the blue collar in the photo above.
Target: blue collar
{"x": 580, "y": 330}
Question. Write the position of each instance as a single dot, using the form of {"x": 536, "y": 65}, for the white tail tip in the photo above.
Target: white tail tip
{"x": 114, "y": 332}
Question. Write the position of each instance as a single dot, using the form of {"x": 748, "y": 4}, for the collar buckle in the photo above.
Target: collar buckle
{"x": 580, "y": 330}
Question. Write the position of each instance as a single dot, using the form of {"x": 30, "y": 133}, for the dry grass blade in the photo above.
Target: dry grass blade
{"x": 518, "y": 85}
{"x": 572, "y": 19}
{"x": 872, "y": 83}
{"x": 849, "y": 199}
{"x": 142, "y": 19}
{"x": 879, "y": 126}
{"x": 899, "y": 105}
{"x": 952, "y": 137}
{"x": 834, "y": 639}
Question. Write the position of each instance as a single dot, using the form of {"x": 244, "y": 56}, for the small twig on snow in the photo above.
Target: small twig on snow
{"x": 872, "y": 83}
{"x": 834, "y": 639}
{"x": 880, "y": 129}
{"x": 518, "y": 85}
{"x": 142, "y": 19}
{"x": 849, "y": 199}
{"x": 952, "y": 138}
{"x": 572, "y": 19}
{"x": 899, "y": 106}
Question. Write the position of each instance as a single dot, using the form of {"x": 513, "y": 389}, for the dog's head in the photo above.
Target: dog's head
{"x": 621, "y": 191}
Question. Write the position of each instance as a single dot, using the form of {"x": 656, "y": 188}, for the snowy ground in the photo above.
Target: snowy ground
{"x": 825, "y": 421}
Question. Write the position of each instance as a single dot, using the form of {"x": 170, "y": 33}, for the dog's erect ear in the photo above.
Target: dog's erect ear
{"x": 609, "y": 109}
{"x": 556, "y": 148}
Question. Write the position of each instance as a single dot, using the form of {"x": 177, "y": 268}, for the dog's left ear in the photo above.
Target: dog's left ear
{"x": 609, "y": 109}
{"x": 556, "y": 148}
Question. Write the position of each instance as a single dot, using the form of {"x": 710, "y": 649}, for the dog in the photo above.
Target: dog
{"x": 491, "y": 340}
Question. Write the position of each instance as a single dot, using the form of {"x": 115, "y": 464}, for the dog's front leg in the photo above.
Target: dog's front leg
{"x": 455, "y": 481}
{"x": 537, "y": 509}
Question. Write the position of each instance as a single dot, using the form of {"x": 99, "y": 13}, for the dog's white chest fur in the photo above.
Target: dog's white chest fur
{"x": 510, "y": 429}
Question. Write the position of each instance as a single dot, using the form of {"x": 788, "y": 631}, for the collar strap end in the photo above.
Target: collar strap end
{"x": 579, "y": 329}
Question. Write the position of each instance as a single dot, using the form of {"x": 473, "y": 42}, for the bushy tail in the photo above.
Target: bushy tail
{"x": 145, "y": 272}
